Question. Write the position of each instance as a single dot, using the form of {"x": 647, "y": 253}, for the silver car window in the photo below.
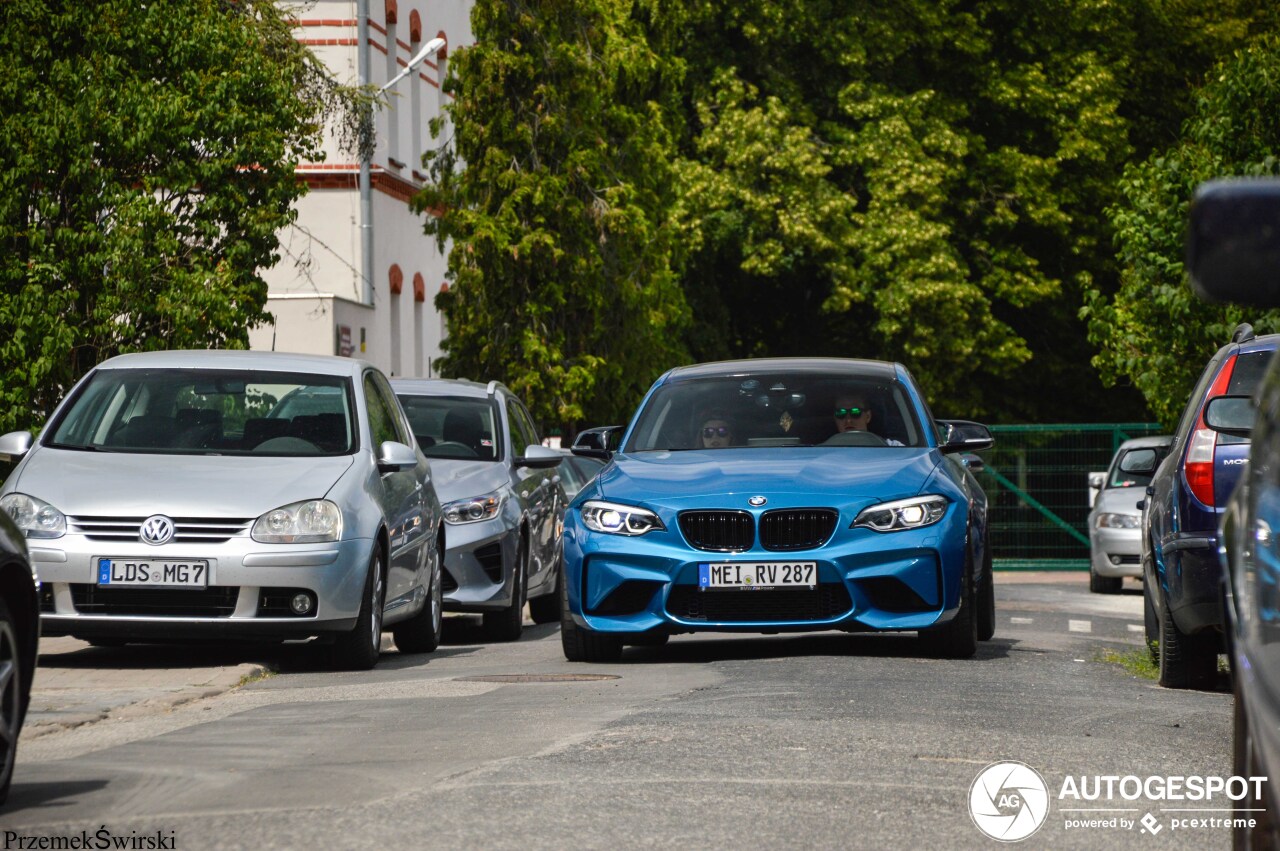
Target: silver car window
{"x": 208, "y": 412}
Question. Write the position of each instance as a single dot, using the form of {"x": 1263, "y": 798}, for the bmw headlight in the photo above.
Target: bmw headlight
{"x": 903, "y": 514}
{"x": 1118, "y": 521}
{"x": 472, "y": 510}
{"x": 313, "y": 521}
{"x": 615, "y": 519}
{"x": 36, "y": 518}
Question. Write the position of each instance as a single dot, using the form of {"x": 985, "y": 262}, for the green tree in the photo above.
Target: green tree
{"x": 1155, "y": 332}
{"x": 563, "y": 245}
{"x": 147, "y": 155}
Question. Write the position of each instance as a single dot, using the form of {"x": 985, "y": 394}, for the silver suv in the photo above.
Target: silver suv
{"x": 503, "y": 501}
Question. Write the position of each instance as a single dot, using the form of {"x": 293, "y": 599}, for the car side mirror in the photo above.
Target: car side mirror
{"x": 599, "y": 442}
{"x": 395, "y": 457}
{"x": 1142, "y": 505}
{"x": 1096, "y": 481}
{"x": 1230, "y": 415}
{"x": 965, "y": 436}
{"x": 15, "y": 444}
{"x": 1233, "y": 241}
{"x": 537, "y": 457}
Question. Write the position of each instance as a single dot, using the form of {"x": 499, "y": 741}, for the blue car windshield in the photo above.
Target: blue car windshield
{"x": 757, "y": 410}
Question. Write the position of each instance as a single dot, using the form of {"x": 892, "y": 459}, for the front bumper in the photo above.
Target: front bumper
{"x": 478, "y": 563}
{"x": 1123, "y": 544}
{"x": 245, "y": 584}
{"x": 867, "y": 581}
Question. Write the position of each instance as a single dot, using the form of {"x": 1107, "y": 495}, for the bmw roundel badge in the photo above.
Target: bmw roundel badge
{"x": 757, "y": 500}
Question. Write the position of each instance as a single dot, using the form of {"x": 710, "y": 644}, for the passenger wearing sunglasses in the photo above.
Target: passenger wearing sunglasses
{"x": 715, "y": 433}
{"x": 852, "y": 414}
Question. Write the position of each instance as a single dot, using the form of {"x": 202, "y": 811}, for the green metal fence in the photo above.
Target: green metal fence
{"x": 1036, "y": 479}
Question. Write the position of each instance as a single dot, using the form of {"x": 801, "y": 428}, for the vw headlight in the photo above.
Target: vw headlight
{"x": 472, "y": 510}
{"x": 313, "y": 521}
{"x": 36, "y": 518}
{"x": 902, "y": 514}
{"x": 1118, "y": 521}
{"x": 615, "y": 519}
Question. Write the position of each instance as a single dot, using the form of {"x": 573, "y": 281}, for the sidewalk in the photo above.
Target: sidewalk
{"x": 77, "y": 684}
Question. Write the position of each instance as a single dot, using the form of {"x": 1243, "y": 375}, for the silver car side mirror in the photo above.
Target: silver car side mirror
{"x": 394, "y": 457}
{"x": 15, "y": 444}
{"x": 539, "y": 458}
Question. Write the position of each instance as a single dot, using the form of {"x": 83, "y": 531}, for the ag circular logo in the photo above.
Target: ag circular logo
{"x": 1008, "y": 801}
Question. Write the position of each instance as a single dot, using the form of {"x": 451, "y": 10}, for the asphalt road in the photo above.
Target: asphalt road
{"x": 826, "y": 741}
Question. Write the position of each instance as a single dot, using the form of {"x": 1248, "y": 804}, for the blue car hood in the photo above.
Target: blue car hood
{"x": 785, "y": 476}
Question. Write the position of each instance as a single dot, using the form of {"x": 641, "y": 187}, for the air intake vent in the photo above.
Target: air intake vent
{"x": 718, "y": 531}
{"x": 779, "y": 605}
{"x": 211, "y": 602}
{"x": 193, "y": 530}
{"x": 797, "y": 528}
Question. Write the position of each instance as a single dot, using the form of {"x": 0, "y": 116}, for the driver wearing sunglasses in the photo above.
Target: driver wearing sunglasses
{"x": 853, "y": 414}
{"x": 715, "y": 433}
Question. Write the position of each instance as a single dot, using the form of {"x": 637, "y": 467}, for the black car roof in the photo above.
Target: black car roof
{"x": 877, "y": 369}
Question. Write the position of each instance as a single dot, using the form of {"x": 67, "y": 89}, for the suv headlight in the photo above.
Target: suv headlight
{"x": 615, "y": 519}
{"x": 902, "y": 514}
{"x": 312, "y": 521}
{"x": 35, "y": 517}
{"x": 1118, "y": 521}
{"x": 472, "y": 510}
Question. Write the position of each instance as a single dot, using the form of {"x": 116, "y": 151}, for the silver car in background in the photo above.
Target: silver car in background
{"x": 503, "y": 500}
{"x": 218, "y": 494}
{"x": 1115, "y": 523}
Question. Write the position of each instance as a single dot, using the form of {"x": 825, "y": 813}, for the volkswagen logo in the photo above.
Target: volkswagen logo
{"x": 156, "y": 529}
{"x": 757, "y": 501}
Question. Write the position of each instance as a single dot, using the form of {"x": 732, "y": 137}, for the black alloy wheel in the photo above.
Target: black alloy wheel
{"x": 422, "y": 632}
{"x": 12, "y": 699}
{"x": 958, "y": 638}
{"x": 1186, "y": 661}
{"x": 581, "y": 644}
{"x": 546, "y": 609}
{"x": 358, "y": 650}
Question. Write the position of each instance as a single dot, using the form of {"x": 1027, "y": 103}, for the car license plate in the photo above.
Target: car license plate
{"x": 121, "y": 572}
{"x": 752, "y": 575}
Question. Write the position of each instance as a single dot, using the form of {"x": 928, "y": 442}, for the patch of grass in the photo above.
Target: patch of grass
{"x": 264, "y": 674}
{"x": 1137, "y": 662}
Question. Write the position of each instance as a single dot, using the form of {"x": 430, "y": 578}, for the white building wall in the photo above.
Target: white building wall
{"x": 316, "y": 293}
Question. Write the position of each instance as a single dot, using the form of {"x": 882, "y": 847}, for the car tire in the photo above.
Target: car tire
{"x": 507, "y": 624}
{"x": 421, "y": 633}
{"x": 958, "y": 638}
{"x": 1186, "y": 661}
{"x": 1104, "y": 584}
{"x": 358, "y": 650}
{"x": 1255, "y": 808}
{"x": 1151, "y": 624}
{"x": 546, "y": 609}
{"x": 581, "y": 644}
{"x": 13, "y": 700}
{"x": 987, "y": 601}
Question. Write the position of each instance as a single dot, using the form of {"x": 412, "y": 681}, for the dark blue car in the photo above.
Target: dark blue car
{"x": 1185, "y": 501}
{"x": 780, "y": 496}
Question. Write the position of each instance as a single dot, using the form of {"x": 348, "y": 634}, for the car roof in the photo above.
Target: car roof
{"x": 1262, "y": 343}
{"x": 238, "y": 359}
{"x": 444, "y": 387}
{"x": 878, "y": 369}
{"x": 1156, "y": 440}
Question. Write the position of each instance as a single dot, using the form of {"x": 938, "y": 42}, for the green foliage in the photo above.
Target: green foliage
{"x": 563, "y": 242}
{"x": 1155, "y": 332}
{"x": 147, "y": 156}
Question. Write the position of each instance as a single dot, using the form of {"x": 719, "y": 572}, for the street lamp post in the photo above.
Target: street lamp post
{"x": 365, "y": 179}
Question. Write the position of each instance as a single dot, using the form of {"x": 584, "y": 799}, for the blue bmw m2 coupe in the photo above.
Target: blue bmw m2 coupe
{"x": 781, "y": 495}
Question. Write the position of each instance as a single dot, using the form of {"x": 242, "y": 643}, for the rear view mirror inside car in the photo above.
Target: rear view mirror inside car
{"x": 1139, "y": 461}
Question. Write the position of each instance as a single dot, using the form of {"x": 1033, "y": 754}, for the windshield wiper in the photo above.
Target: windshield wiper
{"x": 85, "y": 448}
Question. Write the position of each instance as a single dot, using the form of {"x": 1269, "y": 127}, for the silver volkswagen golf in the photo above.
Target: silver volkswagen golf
{"x": 176, "y": 495}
